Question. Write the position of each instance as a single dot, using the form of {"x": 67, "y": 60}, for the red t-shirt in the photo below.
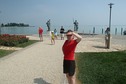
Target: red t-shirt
{"x": 69, "y": 49}
{"x": 40, "y": 30}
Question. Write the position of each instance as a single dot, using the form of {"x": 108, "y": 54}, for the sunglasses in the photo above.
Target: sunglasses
{"x": 68, "y": 35}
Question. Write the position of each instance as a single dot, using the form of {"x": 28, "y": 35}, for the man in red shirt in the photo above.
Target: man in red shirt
{"x": 40, "y": 31}
{"x": 69, "y": 58}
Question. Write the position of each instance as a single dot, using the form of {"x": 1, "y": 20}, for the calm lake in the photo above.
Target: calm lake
{"x": 99, "y": 29}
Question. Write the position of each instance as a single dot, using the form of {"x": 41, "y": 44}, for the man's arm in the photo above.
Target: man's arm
{"x": 77, "y": 36}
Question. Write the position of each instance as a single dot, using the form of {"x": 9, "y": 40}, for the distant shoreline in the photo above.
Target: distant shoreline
{"x": 17, "y": 26}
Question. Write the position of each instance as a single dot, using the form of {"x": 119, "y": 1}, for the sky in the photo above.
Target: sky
{"x": 62, "y": 12}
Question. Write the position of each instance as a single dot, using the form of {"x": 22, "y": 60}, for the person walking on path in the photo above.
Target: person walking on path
{"x": 52, "y": 38}
{"x": 68, "y": 49}
{"x": 40, "y": 31}
{"x": 62, "y": 33}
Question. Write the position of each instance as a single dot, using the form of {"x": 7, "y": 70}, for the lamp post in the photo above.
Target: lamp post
{"x": 0, "y": 26}
{"x": 109, "y": 35}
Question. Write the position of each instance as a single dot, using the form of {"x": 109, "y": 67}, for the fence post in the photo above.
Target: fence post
{"x": 115, "y": 31}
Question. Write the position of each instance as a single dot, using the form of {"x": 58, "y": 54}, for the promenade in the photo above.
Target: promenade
{"x": 41, "y": 63}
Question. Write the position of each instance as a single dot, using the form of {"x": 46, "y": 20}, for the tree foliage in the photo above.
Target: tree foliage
{"x": 14, "y": 25}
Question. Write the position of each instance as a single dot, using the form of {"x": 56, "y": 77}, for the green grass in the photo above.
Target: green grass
{"x": 6, "y": 52}
{"x": 102, "y": 68}
{"x": 27, "y": 43}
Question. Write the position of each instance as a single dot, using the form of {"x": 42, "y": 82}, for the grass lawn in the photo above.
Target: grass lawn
{"x": 6, "y": 52}
{"x": 27, "y": 43}
{"x": 102, "y": 67}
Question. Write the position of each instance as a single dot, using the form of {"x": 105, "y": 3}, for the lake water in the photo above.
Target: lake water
{"x": 82, "y": 29}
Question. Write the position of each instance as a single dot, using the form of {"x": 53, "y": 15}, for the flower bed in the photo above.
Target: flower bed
{"x": 12, "y": 40}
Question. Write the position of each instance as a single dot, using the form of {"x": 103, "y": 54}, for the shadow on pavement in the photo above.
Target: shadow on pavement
{"x": 102, "y": 47}
{"x": 40, "y": 81}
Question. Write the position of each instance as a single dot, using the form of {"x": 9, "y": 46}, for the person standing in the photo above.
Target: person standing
{"x": 40, "y": 31}
{"x": 62, "y": 33}
{"x": 55, "y": 33}
{"x": 68, "y": 49}
{"x": 107, "y": 33}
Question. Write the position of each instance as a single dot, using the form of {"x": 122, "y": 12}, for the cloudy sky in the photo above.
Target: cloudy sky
{"x": 62, "y": 12}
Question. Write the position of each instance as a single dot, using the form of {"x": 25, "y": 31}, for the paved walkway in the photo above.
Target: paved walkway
{"x": 40, "y": 63}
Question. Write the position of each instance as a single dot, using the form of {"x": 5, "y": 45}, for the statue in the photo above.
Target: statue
{"x": 75, "y": 25}
{"x": 48, "y": 24}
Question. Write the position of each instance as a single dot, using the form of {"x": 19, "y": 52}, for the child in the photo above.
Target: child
{"x": 52, "y": 37}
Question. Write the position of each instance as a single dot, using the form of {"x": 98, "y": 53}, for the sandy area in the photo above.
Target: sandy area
{"x": 88, "y": 44}
{"x": 41, "y": 63}
{"x": 10, "y": 48}
{"x": 97, "y": 43}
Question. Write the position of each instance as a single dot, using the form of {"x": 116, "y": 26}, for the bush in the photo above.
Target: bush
{"x": 12, "y": 40}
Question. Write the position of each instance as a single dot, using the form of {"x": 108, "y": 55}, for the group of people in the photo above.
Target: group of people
{"x": 68, "y": 50}
{"x": 53, "y": 34}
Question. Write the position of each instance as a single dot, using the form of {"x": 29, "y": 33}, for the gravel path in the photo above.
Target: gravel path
{"x": 40, "y": 63}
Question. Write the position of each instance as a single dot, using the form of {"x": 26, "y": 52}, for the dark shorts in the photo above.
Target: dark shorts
{"x": 40, "y": 35}
{"x": 69, "y": 67}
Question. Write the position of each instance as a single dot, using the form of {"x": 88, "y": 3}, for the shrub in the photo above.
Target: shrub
{"x": 12, "y": 40}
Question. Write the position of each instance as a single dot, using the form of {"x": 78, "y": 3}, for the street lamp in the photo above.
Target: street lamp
{"x": 109, "y": 24}
{"x": 0, "y": 26}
